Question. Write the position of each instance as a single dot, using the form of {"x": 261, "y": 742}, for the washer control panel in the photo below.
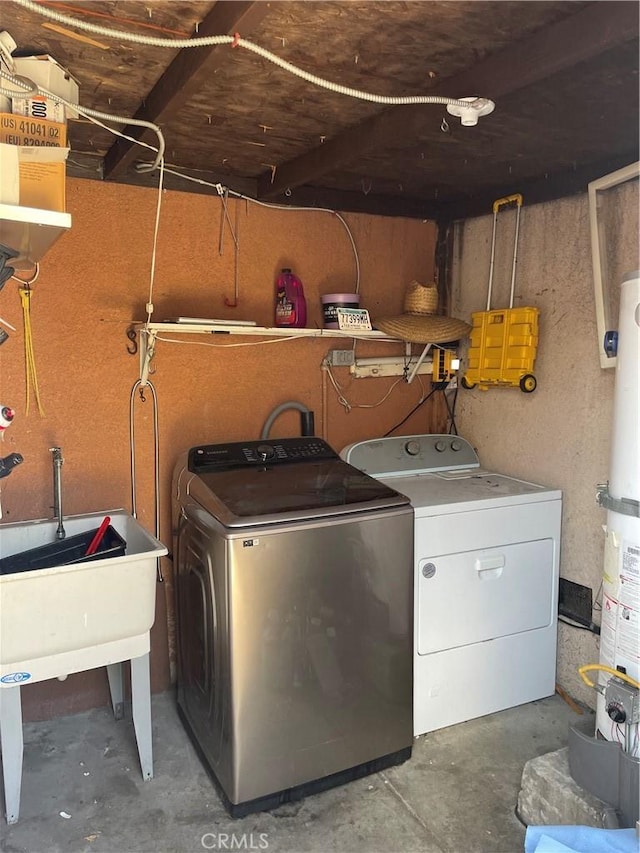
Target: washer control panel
{"x": 411, "y": 454}
{"x": 249, "y": 454}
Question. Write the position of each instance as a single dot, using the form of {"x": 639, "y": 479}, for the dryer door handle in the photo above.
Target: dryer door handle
{"x": 490, "y": 567}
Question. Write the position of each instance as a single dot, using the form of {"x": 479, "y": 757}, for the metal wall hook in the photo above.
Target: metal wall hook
{"x": 131, "y": 334}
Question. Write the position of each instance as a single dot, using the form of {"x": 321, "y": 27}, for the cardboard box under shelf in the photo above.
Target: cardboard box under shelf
{"x": 33, "y": 177}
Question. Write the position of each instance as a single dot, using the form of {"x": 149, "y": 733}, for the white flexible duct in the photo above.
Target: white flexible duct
{"x": 122, "y": 35}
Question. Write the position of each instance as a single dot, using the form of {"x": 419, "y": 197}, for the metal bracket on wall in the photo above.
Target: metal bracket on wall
{"x": 131, "y": 334}
{"x": 606, "y": 319}
{"x": 416, "y": 367}
{"x": 624, "y": 506}
{"x": 147, "y": 351}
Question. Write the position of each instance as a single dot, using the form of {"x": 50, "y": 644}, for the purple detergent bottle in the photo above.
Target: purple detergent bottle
{"x": 291, "y": 306}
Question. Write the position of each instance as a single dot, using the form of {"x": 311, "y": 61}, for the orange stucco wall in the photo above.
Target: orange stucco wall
{"x": 95, "y": 281}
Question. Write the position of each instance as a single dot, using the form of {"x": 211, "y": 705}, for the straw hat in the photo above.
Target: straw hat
{"x": 420, "y": 324}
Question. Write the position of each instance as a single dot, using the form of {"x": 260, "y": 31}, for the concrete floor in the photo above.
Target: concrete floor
{"x": 82, "y": 791}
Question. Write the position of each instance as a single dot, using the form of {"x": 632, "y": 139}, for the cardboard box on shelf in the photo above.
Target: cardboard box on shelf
{"x": 47, "y": 74}
{"x": 19, "y": 130}
{"x": 39, "y": 107}
{"x": 9, "y": 175}
{"x": 7, "y": 46}
{"x": 33, "y": 176}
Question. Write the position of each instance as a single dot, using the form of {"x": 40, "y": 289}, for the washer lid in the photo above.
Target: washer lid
{"x": 302, "y": 479}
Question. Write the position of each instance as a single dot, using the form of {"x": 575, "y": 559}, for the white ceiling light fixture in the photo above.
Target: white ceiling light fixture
{"x": 469, "y": 115}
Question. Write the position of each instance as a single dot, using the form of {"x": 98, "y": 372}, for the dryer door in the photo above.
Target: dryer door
{"x": 481, "y": 595}
{"x": 500, "y": 581}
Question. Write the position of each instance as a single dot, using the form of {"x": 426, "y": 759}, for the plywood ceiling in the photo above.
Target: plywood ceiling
{"x": 563, "y": 75}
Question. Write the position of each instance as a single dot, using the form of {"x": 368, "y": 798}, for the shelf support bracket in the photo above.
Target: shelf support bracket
{"x": 147, "y": 351}
{"x": 416, "y": 366}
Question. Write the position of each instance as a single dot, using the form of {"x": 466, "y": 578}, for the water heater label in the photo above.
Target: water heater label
{"x": 15, "y": 677}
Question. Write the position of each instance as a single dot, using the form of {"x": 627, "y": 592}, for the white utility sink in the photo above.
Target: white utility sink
{"x": 70, "y": 618}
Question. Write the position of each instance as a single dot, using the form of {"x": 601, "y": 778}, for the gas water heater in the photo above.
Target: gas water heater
{"x": 608, "y": 764}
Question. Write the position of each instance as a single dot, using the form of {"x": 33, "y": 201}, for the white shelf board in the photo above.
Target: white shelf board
{"x": 30, "y": 231}
{"x": 263, "y": 331}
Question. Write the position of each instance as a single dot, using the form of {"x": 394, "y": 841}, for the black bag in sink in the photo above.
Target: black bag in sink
{"x": 64, "y": 552}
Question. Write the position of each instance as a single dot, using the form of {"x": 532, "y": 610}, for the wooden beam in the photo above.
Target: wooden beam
{"x": 184, "y": 76}
{"x": 547, "y": 188}
{"x": 444, "y": 212}
{"x": 90, "y": 167}
{"x": 370, "y": 135}
{"x": 597, "y": 28}
{"x": 444, "y": 263}
{"x": 357, "y": 202}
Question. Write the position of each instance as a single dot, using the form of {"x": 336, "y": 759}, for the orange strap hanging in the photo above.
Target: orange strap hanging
{"x": 31, "y": 376}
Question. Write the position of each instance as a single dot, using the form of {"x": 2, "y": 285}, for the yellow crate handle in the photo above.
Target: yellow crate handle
{"x": 500, "y": 202}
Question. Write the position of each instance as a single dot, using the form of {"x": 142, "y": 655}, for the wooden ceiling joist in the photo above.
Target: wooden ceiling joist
{"x": 537, "y": 190}
{"x": 184, "y": 76}
{"x": 595, "y": 29}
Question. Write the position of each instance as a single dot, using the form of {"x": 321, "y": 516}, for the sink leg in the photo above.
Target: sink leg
{"x": 12, "y": 748}
{"x": 116, "y": 688}
{"x": 141, "y": 706}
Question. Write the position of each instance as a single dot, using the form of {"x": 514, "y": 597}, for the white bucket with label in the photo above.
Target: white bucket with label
{"x": 330, "y": 304}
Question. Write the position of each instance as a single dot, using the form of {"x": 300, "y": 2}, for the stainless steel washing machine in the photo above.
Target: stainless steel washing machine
{"x": 294, "y": 591}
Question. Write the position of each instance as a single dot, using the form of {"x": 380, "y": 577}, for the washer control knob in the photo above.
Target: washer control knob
{"x": 456, "y": 444}
{"x": 265, "y": 451}
{"x": 441, "y": 446}
{"x": 412, "y": 447}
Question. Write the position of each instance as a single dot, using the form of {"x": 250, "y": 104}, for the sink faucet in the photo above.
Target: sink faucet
{"x": 306, "y": 418}
{"x": 57, "y": 489}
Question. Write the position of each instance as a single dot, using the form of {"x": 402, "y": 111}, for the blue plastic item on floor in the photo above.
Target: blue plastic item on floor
{"x": 580, "y": 839}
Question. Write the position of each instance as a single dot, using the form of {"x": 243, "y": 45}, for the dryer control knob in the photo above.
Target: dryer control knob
{"x": 441, "y": 446}
{"x": 265, "y": 451}
{"x": 456, "y": 445}
{"x": 412, "y": 447}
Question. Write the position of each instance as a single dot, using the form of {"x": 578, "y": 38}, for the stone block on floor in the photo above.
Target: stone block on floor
{"x": 549, "y": 796}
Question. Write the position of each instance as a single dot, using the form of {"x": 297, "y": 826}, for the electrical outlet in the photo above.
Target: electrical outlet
{"x": 341, "y": 357}
{"x": 364, "y": 368}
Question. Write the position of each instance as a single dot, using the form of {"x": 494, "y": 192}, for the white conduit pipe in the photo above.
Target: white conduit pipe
{"x": 156, "y": 459}
{"x": 23, "y": 85}
{"x": 236, "y": 41}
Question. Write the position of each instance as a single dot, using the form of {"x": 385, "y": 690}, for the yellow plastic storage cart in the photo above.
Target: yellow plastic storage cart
{"x": 503, "y": 342}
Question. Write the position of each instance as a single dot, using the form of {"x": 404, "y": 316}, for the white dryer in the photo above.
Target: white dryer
{"x": 486, "y": 557}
